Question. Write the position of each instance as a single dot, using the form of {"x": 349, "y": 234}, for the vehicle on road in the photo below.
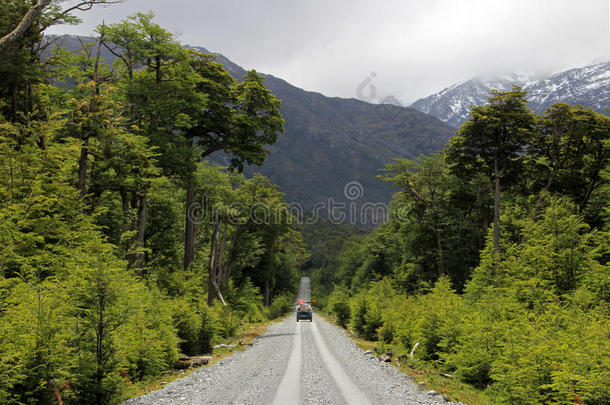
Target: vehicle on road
{"x": 304, "y": 311}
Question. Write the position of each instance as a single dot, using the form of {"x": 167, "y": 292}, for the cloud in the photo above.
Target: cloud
{"x": 415, "y": 48}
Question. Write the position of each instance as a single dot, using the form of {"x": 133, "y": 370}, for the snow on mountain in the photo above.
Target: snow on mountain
{"x": 452, "y": 104}
{"x": 588, "y": 86}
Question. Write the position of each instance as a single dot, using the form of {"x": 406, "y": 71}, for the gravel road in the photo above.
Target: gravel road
{"x": 294, "y": 363}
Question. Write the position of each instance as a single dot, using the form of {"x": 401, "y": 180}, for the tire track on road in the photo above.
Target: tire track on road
{"x": 349, "y": 391}
{"x": 290, "y": 391}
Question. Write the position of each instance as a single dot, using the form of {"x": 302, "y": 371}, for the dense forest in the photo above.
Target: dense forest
{"x": 121, "y": 248}
{"x": 493, "y": 266}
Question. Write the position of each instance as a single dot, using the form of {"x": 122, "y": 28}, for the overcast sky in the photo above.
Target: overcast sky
{"x": 408, "y": 48}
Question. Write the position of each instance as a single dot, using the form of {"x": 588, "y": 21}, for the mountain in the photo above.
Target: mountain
{"x": 452, "y": 104}
{"x": 330, "y": 142}
{"x": 588, "y": 86}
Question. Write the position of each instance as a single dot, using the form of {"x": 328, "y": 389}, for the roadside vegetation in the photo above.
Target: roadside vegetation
{"x": 494, "y": 265}
{"x": 121, "y": 249}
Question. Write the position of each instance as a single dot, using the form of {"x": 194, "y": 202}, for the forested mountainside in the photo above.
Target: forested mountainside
{"x": 330, "y": 141}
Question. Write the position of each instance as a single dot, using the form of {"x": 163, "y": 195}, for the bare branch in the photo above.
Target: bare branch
{"x": 37, "y": 9}
{"x": 24, "y": 24}
{"x": 82, "y": 6}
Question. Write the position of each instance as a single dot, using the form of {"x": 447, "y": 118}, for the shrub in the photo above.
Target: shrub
{"x": 342, "y": 312}
{"x": 373, "y": 323}
{"x": 386, "y": 333}
{"x": 206, "y": 332}
{"x": 188, "y": 322}
{"x": 359, "y": 311}
{"x": 339, "y": 305}
{"x": 280, "y": 306}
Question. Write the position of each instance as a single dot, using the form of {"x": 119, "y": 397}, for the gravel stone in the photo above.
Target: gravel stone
{"x": 252, "y": 376}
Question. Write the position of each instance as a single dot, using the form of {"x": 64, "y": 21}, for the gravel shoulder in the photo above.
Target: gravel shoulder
{"x": 247, "y": 377}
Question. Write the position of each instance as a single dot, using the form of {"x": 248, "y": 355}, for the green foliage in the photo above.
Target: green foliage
{"x": 529, "y": 321}
{"x": 339, "y": 305}
{"x": 386, "y": 333}
{"x": 93, "y": 177}
{"x": 359, "y": 313}
{"x": 206, "y": 332}
{"x": 280, "y": 306}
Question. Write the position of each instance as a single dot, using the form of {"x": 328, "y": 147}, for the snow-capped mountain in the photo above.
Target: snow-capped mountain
{"x": 588, "y": 86}
{"x": 452, "y": 104}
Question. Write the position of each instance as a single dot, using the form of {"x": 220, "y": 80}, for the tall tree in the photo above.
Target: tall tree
{"x": 192, "y": 107}
{"x": 493, "y": 140}
{"x": 570, "y": 150}
{"x": 240, "y": 121}
{"x": 154, "y": 100}
{"x": 425, "y": 187}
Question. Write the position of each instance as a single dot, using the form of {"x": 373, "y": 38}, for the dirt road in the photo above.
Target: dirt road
{"x": 295, "y": 363}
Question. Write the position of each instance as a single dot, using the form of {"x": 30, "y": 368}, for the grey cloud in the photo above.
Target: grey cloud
{"x": 414, "y": 47}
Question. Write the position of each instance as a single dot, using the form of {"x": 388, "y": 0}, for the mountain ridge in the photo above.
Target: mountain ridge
{"x": 588, "y": 86}
{"x": 330, "y": 142}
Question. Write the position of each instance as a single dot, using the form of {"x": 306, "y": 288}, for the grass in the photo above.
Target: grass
{"x": 421, "y": 371}
{"x": 246, "y": 334}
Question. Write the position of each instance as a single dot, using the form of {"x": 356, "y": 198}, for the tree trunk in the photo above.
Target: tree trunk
{"x": 82, "y": 169}
{"x": 212, "y": 273}
{"x": 143, "y": 202}
{"x": 189, "y": 226}
{"x": 219, "y": 270}
{"x": 29, "y": 105}
{"x": 126, "y": 209}
{"x": 497, "y": 208}
{"x": 84, "y": 153}
{"x": 158, "y": 70}
{"x": 439, "y": 245}
{"x": 24, "y": 24}
{"x": 588, "y": 193}
{"x": 543, "y": 193}
{"x": 267, "y": 293}
{"x": 14, "y": 104}
{"x": 211, "y": 291}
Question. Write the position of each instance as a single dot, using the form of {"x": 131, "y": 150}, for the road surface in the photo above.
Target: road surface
{"x": 294, "y": 363}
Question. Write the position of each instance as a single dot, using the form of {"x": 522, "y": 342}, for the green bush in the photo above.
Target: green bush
{"x": 386, "y": 333}
{"x": 339, "y": 306}
{"x": 342, "y": 312}
{"x": 373, "y": 322}
{"x": 245, "y": 303}
{"x": 206, "y": 332}
{"x": 187, "y": 319}
{"x": 359, "y": 312}
{"x": 147, "y": 343}
{"x": 438, "y": 326}
{"x": 280, "y": 306}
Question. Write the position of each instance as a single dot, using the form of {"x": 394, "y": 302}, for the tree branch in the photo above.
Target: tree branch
{"x": 24, "y": 24}
{"x": 82, "y": 6}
